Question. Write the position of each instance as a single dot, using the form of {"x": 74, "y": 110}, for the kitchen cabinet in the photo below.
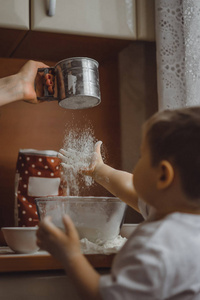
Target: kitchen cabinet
{"x": 100, "y": 18}
{"x": 98, "y": 28}
{"x": 14, "y": 14}
{"x": 14, "y": 24}
{"x": 38, "y": 276}
{"x": 43, "y": 285}
{"x": 133, "y": 19}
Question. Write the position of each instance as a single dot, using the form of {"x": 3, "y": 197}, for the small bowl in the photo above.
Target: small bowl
{"x": 21, "y": 239}
{"x": 127, "y": 229}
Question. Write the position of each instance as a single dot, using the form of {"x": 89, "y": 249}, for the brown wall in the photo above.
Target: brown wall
{"x": 42, "y": 127}
{"x": 117, "y": 122}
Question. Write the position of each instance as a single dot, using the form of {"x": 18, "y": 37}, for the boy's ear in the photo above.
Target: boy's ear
{"x": 165, "y": 174}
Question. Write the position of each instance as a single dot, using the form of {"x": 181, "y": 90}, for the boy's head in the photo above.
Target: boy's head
{"x": 174, "y": 135}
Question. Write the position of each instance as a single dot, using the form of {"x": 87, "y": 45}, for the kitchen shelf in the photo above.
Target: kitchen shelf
{"x": 42, "y": 261}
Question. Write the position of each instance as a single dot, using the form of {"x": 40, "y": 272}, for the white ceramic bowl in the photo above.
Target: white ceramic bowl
{"x": 127, "y": 229}
{"x": 21, "y": 239}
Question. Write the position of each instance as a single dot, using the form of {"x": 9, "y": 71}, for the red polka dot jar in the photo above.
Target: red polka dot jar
{"x": 38, "y": 173}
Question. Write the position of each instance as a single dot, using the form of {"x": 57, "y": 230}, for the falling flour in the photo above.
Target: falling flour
{"x": 79, "y": 147}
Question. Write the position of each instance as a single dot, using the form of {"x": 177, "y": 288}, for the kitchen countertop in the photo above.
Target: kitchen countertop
{"x": 42, "y": 260}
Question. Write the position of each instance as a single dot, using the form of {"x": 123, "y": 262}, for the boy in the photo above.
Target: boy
{"x": 161, "y": 259}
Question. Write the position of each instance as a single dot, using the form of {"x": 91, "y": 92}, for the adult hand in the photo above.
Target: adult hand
{"x": 21, "y": 86}
{"x": 29, "y": 78}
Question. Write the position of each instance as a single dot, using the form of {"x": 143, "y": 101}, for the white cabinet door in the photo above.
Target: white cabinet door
{"x": 14, "y": 14}
{"x": 100, "y": 18}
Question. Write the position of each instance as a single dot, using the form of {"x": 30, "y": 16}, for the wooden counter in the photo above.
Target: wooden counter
{"x": 41, "y": 261}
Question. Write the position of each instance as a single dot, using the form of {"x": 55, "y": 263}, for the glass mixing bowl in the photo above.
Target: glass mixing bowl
{"x": 95, "y": 218}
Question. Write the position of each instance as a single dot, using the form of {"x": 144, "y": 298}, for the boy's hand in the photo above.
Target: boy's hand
{"x": 93, "y": 161}
{"x": 63, "y": 246}
{"x": 96, "y": 161}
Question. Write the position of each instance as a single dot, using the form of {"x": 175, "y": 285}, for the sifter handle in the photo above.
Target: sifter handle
{"x": 47, "y": 96}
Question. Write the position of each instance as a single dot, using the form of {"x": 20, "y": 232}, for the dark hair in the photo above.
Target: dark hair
{"x": 175, "y": 135}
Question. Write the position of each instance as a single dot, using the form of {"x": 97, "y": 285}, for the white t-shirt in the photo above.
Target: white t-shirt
{"x": 161, "y": 260}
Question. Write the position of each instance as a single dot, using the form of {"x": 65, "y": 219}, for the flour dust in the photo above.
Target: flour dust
{"x": 79, "y": 146}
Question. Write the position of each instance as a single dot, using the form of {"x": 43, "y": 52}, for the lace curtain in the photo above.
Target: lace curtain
{"x": 178, "y": 52}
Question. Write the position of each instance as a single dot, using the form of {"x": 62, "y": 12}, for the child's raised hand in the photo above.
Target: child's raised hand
{"x": 95, "y": 162}
{"x": 86, "y": 165}
{"x": 63, "y": 246}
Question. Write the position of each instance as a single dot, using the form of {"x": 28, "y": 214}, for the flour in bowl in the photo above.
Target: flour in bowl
{"x": 100, "y": 247}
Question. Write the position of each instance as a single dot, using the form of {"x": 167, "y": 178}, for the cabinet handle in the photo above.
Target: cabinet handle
{"x": 52, "y": 8}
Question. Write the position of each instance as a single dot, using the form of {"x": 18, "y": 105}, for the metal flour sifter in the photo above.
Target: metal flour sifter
{"x": 76, "y": 83}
